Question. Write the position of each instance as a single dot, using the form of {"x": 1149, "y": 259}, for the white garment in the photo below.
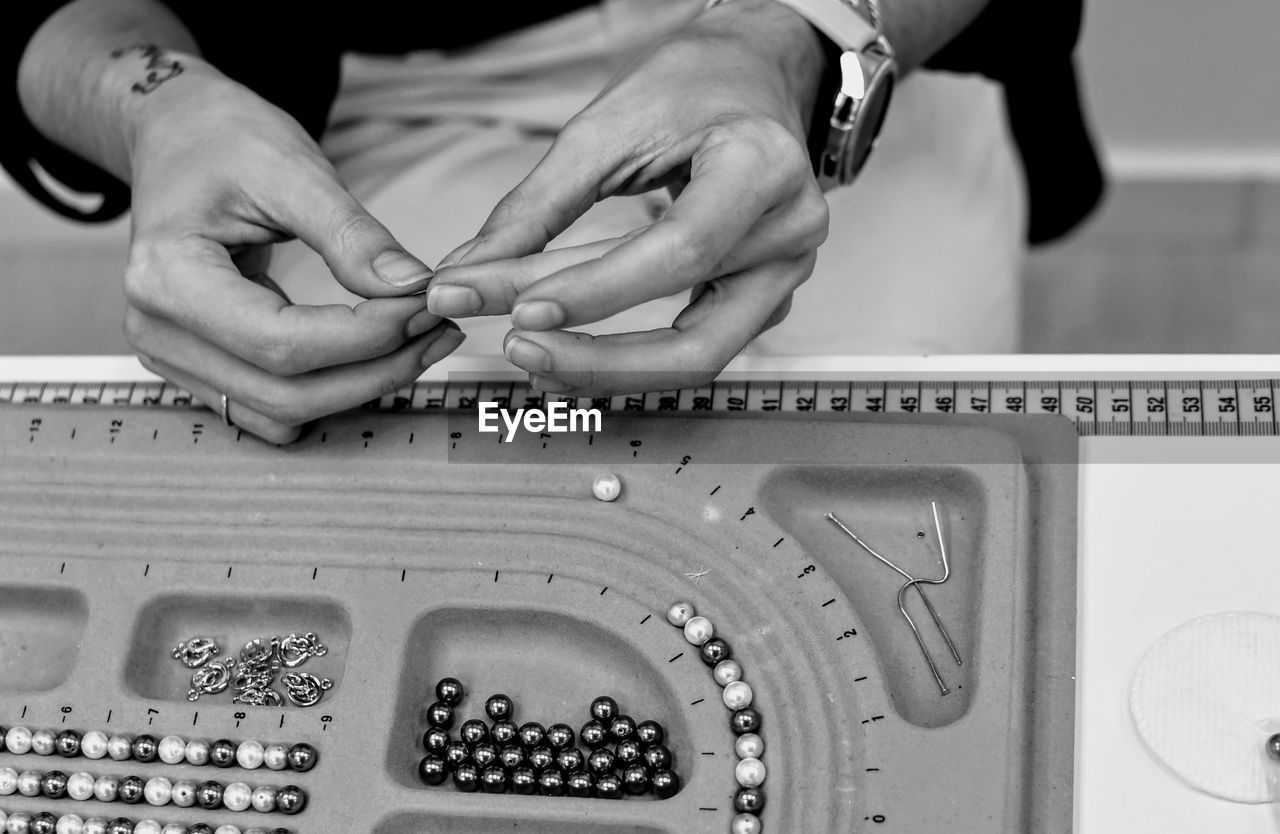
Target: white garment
{"x": 924, "y": 251}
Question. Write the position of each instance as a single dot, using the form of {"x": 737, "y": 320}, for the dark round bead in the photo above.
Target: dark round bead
{"x": 499, "y": 708}
{"x": 636, "y": 779}
{"x": 456, "y": 753}
{"x": 291, "y": 799}
{"x": 131, "y": 790}
{"x": 450, "y": 691}
{"x": 666, "y": 784}
{"x": 145, "y": 748}
{"x": 466, "y": 777}
{"x": 601, "y": 761}
{"x": 272, "y": 831}
{"x": 494, "y": 780}
{"x": 622, "y": 726}
{"x": 650, "y": 732}
{"x": 302, "y": 757}
{"x": 67, "y": 744}
{"x": 593, "y": 734}
{"x": 541, "y": 758}
{"x": 551, "y": 783}
{"x": 657, "y": 757}
{"x": 512, "y": 756}
{"x": 432, "y": 770}
{"x": 581, "y": 784}
{"x": 608, "y": 786}
{"x": 524, "y": 781}
{"x": 715, "y": 650}
{"x": 209, "y": 795}
{"x": 484, "y": 755}
{"x": 560, "y": 736}
{"x": 1273, "y": 746}
{"x": 532, "y": 734}
{"x": 748, "y": 800}
{"x": 440, "y": 715}
{"x": 570, "y": 760}
{"x": 604, "y": 709}
{"x": 474, "y": 732}
{"x": 120, "y": 825}
{"x": 435, "y": 740}
{"x": 200, "y": 828}
{"x": 628, "y": 751}
{"x": 745, "y": 720}
{"x": 222, "y": 753}
{"x": 504, "y": 732}
{"x": 53, "y": 784}
{"x": 3, "y": 732}
{"x": 43, "y": 823}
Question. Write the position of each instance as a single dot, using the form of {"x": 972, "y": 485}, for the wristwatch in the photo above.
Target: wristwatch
{"x": 866, "y": 80}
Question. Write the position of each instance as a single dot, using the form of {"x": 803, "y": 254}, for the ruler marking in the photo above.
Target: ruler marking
{"x": 646, "y": 619}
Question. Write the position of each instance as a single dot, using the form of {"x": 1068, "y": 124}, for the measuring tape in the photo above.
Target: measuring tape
{"x": 1219, "y": 408}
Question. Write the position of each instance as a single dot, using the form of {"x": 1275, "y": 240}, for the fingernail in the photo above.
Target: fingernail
{"x": 453, "y": 300}
{"x": 546, "y": 383}
{"x": 421, "y": 322}
{"x": 455, "y": 257}
{"x": 537, "y": 315}
{"x": 399, "y": 269}
{"x": 442, "y": 347}
{"x": 527, "y": 355}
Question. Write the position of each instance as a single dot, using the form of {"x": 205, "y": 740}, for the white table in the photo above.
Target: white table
{"x": 1170, "y": 528}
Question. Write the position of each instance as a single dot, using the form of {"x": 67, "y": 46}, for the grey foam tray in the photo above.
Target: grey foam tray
{"x": 419, "y": 550}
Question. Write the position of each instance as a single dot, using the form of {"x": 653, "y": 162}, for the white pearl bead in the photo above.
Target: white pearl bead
{"x": 226, "y": 829}
{"x": 174, "y": 828}
{"x": 42, "y": 742}
{"x": 745, "y": 824}
{"x": 18, "y": 823}
{"x": 249, "y": 755}
{"x": 4, "y": 819}
{"x": 69, "y": 824}
{"x": 699, "y": 630}
{"x": 8, "y": 781}
{"x": 737, "y": 695}
{"x": 750, "y": 773}
{"x": 264, "y": 799}
{"x": 606, "y": 487}
{"x": 95, "y": 825}
{"x": 29, "y": 783}
{"x": 94, "y": 744}
{"x": 146, "y": 827}
{"x": 80, "y": 786}
{"x": 120, "y": 748}
{"x": 18, "y": 740}
{"x": 275, "y": 756}
{"x": 197, "y": 752}
{"x": 106, "y": 788}
{"x": 237, "y": 796}
{"x": 172, "y": 750}
{"x": 727, "y": 671}
{"x": 680, "y": 613}
{"x": 158, "y": 791}
{"x": 183, "y": 794}
{"x": 749, "y": 746}
{"x": 255, "y": 831}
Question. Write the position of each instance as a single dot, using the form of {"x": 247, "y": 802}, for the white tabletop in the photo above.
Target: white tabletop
{"x": 1170, "y": 529}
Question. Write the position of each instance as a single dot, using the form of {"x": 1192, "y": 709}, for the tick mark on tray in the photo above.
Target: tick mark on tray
{"x": 146, "y": 570}
{"x": 828, "y": 602}
{"x": 717, "y": 489}
{"x": 602, "y": 590}
{"x": 779, "y": 541}
{"x": 695, "y": 703}
{"x": 228, "y": 573}
{"x": 549, "y": 578}
{"x": 677, "y": 657}
{"x": 495, "y": 576}
{"x": 646, "y": 619}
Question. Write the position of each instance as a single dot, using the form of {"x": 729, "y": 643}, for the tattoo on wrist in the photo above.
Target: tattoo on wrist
{"x": 159, "y": 68}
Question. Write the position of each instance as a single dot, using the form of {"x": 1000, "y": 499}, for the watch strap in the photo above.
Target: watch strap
{"x": 853, "y": 25}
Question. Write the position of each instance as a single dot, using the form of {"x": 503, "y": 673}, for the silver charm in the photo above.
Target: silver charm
{"x": 197, "y": 651}
{"x": 211, "y": 679}
{"x": 305, "y": 689}
{"x": 295, "y": 649}
{"x": 258, "y": 652}
{"x": 255, "y": 697}
{"x": 247, "y": 679}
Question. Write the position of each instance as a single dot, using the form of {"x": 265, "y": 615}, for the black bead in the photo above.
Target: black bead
{"x": 608, "y": 786}
{"x": 581, "y": 784}
{"x": 440, "y": 715}
{"x": 209, "y": 795}
{"x": 222, "y": 753}
{"x": 499, "y": 708}
{"x": 272, "y": 831}
{"x": 456, "y": 753}
{"x": 512, "y": 756}
{"x": 67, "y": 744}
{"x": 432, "y": 770}
{"x": 3, "y": 733}
{"x": 145, "y": 748}
{"x": 466, "y": 777}
{"x": 650, "y": 732}
{"x": 748, "y": 800}
{"x": 302, "y": 757}
{"x": 200, "y": 828}
{"x": 715, "y": 650}
{"x": 628, "y": 751}
{"x": 120, "y": 825}
{"x": 53, "y": 784}
{"x": 1273, "y": 746}
{"x": 657, "y": 757}
{"x": 593, "y": 734}
{"x": 504, "y": 732}
{"x": 43, "y": 823}
{"x": 560, "y": 736}
{"x": 131, "y": 789}
{"x": 494, "y": 780}
{"x": 551, "y": 783}
{"x": 570, "y": 760}
{"x": 636, "y": 779}
{"x": 604, "y": 709}
{"x": 484, "y": 755}
{"x": 435, "y": 740}
{"x": 745, "y": 720}
{"x": 601, "y": 761}
{"x": 291, "y": 799}
{"x": 622, "y": 727}
{"x": 532, "y": 734}
{"x": 524, "y": 781}
{"x": 450, "y": 691}
{"x": 474, "y": 732}
{"x": 541, "y": 758}
{"x": 666, "y": 784}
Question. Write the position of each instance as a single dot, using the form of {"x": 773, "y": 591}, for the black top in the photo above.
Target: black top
{"x": 291, "y": 56}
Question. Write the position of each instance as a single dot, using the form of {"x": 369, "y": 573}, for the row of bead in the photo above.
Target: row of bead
{"x": 750, "y": 771}
{"x": 172, "y": 750}
{"x": 158, "y": 791}
{"x": 18, "y": 822}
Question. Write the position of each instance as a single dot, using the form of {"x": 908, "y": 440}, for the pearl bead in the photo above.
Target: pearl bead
{"x": 746, "y": 824}
{"x": 54, "y": 784}
{"x": 604, "y": 709}
{"x": 606, "y": 487}
{"x": 222, "y": 753}
{"x": 581, "y": 784}
{"x": 1273, "y": 746}
{"x": 291, "y": 799}
{"x": 4, "y": 818}
{"x": 680, "y": 613}
{"x": 18, "y": 823}
{"x": 183, "y": 793}
{"x": 43, "y": 823}
{"x": 67, "y": 744}
{"x": 249, "y": 755}
{"x": 657, "y": 757}
{"x": 494, "y": 780}
{"x": 173, "y": 750}
{"x": 636, "y": 780}
{"x": 146, "y": 749}
{"x": 499, "y": 708}
{"x": 29, "y": 783}
{"x": 42, "y": 742}
{"x": 750, "y": 773}
{"x": 106, "y": 788}
{"x": 737, "y": 695}
{"x": 120, "y": 748}
{"x": 608, "y": 786}
{"x": 70, "y": 824}
{"x": 275, "y": 756}
{"x": 745, "y": 721}
{"x": 551, "y": 783}
{"x": 466, "y": 777}
{"x": 146, "y": 827}
{"x": 650, "y": 732}
{"x": 174, "y": 828}
{"x": 94, "y": 744}
{"x": 749, "y": 746}
{"x": 504, "y": 733}
{"x": 209, "y": 795}
{"x": 699, "y": 630}
{"x": 158, "y": 791}
{"x": 224, "y": 829}
{"x": 727, "y": 671}
{"x": 748, "y": 800}
{"x": 95, "y": 825}
{"x": 8, "y": 781}
{"x": 714, "y": 651}
{"x": 197, "y": 752}
{"x": 302, "y": 757}
{"x": 120, "y": 825}
{"x": 450, "y": 691}
{"x": 131, "y": 788}
{"x": 666, "y": 784}
{"x": 524, "y": 781}
{"x": 441, "y": 715}
{"x": 237, "y": 796}
{"x": 18, "y": 740}
{"x": 264, "y": 799}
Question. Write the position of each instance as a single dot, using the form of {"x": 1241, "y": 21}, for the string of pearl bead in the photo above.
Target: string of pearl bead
{"x": 157, "y": 791}
{"x": 171, "y": 750}
{"x": 19, "y": 822}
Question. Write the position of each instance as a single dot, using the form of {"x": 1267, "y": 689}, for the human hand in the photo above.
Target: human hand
{"x": 718, "y": 113}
